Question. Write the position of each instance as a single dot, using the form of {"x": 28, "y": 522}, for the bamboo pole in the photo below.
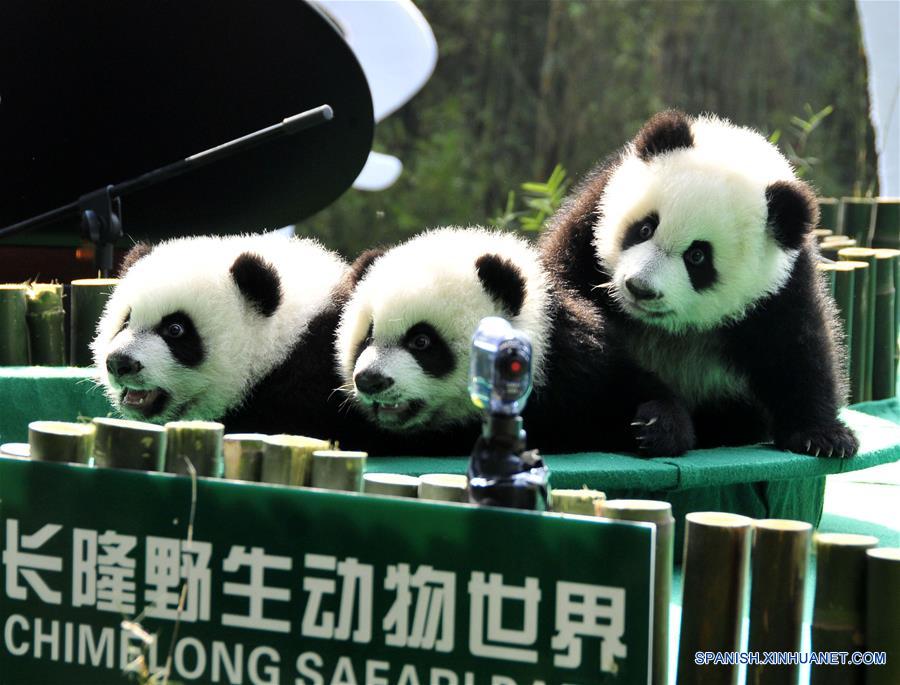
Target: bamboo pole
{"x": 884, "y": 361}
{"x": 856, "y": 218}
{"x": 868, "y": 255}
{"x": 844, "y": 281}
{"x": 659, "y": 513}
{"x": 828, "y": 213}
{"x": 287, "y": 459}
{"x": 243, "y": 456}
{"x": 828, "y": 272}
{"x": 391, "y": 484}
{"x": 200, "y": 442}
{"x": 13, "y": 326}
{"x": 46, "y": 324}
{"x": 583, "y": 502}
{"x": 822, "y": 233}
{"x": 883, "y": 613}
{"x": 830, "y": 247}
{"x": 714, "y": 574}
{"x": 338, "y": 470}
{"x": 838, "y": 622}
{"x": 16, "y": 450}
{"x": 857, "y": 332}
{"x": 89, "y": 296}
{"x": 444, "y": 487}
{"x": 61, "y": 441}
{"x": 779, "y": 560}
{"x": 886, "y": 232}
{"x": 124, "y": 444}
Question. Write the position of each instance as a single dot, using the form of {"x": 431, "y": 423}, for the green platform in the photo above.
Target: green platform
{"x": 755, "y": 480}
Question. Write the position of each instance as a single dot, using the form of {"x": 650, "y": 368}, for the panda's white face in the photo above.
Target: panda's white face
{"x": 194, "y": 324}
{"x": 404, "y": 340}
{"x": 684, "y": 235}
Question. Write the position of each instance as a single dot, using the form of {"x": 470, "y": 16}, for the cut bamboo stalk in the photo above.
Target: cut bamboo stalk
{"x": 714, "y": 574}
{"x": 200, "y": 442}
{"x": 16, "y": 450}
{"x": 338, "y": 470}
{"x": 46, "y": 324}
{"x": 822, "y": 233}
{"x": 444, "y": 487}
{"x": 844, "y": 281}
{"x": 287, "y": 459}
{"x": 779, "y": 560}
{"x": 89, "y": 296}
{"x": 61, "y": 441}
{"x": 659, "y": 513}
{"x": 13, "y": 326}
{"x": 583, "y": 502}
{"x": 857, "y": 331}
{"x": 838, "y": 622}
{"x": 828, "y": 213}
{"x": 884, "y": 361}
{"x": 868, "y": 255}
{"x": 391, "y": 484}
{"x": 883, "y": 613}
{"x": 123, "y": 444}
{"x": 831, "y": 246}
{"x": 886, "y": 232}
{"x": 856, "y": 218}
{"x": 243, "y": 456}
{"x": 828, "y": 272}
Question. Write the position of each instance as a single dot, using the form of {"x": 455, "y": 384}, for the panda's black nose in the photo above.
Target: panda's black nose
{"x": 641, "y": 290}
{"x": 371, "y": 382}
{"x": 122, "y": 365}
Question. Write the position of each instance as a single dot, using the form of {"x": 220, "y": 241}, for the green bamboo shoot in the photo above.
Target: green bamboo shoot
{"x": 583, "y": 502}
{"x": 857, "y": 331}
{"x": 659, "y": 513}
{"x": 88, "y": 298}
{"x": 13, "y": 326}
{"x": 779, "y": 561}
{"x": 883, "y": 613}
{"x": 61, "y": 441}
{"x": 199, "y": 442}
{"x": 287, "y": 459}
{"x": 444, "y": 487}
{"x": 887, "y": 223}
{"x": 123, "y": 444}
{"x": 714, "y": 576}
{"x": 839, "y": 609}
{"x": 338, "y": 470}
{"x": 391, "y": 484}
{"x": 46, "y": 324}
{"x": 868, "y": 255}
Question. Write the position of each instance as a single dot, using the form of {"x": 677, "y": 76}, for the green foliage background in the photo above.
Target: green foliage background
{"x": 522, "y": 85}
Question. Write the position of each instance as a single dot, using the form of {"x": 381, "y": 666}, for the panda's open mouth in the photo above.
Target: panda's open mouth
{"x": 396, "y": 413}
{"x": 147, "y": 403}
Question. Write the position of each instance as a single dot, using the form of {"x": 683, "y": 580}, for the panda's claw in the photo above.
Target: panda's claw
{"x": 638, "y": 424}
{"x": 818, "y": 450}
{"x": 808, "y": 445}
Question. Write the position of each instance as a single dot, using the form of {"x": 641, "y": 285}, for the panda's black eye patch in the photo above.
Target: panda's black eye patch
{"x": 125, "y": 322}
{"x": 366, "y": 341}
{"x": 640, "y": 231}
{"x": 698, "y": 259}
{"x": 180, "y": 334}
{"x": 429, "y": 349}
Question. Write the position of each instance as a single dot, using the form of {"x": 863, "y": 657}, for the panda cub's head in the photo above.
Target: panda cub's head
{"x": 699, "y": 219}
{"x": 404, "y": 339}
{"x": 194, "y": 323}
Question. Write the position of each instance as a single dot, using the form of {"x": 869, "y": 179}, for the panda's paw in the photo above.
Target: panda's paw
{"x": 663, "y": 429}
{"x": 832, "y": 440}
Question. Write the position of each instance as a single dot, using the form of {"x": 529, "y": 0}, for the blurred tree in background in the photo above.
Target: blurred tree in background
{"x": 523, "y": 86}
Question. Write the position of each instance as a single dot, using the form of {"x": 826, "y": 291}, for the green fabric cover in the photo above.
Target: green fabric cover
{"x": 755, "y": 480}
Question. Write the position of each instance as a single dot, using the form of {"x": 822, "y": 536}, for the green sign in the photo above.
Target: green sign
{"x": 296, "y": 586}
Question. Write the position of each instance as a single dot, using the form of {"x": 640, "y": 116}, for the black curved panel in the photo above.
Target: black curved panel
{"x": 101, "y": 91}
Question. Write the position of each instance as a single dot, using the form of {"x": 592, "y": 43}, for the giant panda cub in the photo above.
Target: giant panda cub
{"x": 238, "y": 329}
{"x": 404, "y": 341}
{"x": 695, "y": 242}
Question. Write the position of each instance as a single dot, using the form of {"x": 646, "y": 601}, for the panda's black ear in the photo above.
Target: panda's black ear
{"x": 792, "y": 212}
{"x": 138, "y": 251}
{"x": 258, "y": 282}
{"x": 503, "y": 281}
{"x": 362, "y": 263}
{"x": 666, "y": 131}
